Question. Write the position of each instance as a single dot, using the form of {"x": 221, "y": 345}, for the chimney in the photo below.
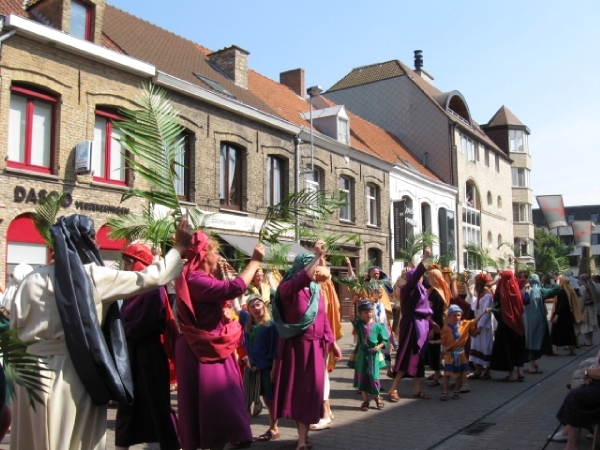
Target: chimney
{"x": 419, "y": 67}
{"x": 294, "y": 79}
{"x": 234, "y": 62}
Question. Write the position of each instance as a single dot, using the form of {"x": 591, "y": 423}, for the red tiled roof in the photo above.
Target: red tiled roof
{"x": 364, "y": 136}
{"x": 13, "y": 7}
{"x": 504, "y": 117}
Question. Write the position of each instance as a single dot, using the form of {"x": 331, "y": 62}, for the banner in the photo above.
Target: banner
{"x": 553, "y": 208}
{"x": 582, "y": 232}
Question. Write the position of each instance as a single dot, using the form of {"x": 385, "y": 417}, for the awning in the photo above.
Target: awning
{"x": 247, "y": 244}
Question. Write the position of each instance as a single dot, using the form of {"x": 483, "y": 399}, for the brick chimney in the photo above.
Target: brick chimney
{"x": 234, "y": 62}
{"x": 294, "y": 79}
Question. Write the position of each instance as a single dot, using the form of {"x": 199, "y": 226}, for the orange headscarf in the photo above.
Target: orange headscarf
{"x": 437, "y": 282}
{"x": 332, "y": 307}
{"x": 511, "y": 302}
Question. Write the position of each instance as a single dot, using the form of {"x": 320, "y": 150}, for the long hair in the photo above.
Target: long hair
{"x": 266, "y": 318}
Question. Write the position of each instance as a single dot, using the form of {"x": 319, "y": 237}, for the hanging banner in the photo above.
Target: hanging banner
{"x": 553, "y": 208}
{"x": 582, "y": 232}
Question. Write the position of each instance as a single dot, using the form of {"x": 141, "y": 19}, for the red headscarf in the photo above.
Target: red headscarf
{"x": 141, "y": 254}
{"x": 511, "y": 302}
{"x": 207, "y": 347}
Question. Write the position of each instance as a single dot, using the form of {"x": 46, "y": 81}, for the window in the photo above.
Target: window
{"x": 594, "y": 217}
{"x": 374, "y": 256}
{"x": 521, "y": 212}
{"x": 490, "y": 200}
{"x": 521, "y": 247}
{"x": 573, "y": 261}
{"x": 425, "y": 217}
{"x": 595, "y": 239}
{"x": 343, "y": 131}
{"x": 275, "y": 185}
{"x": 230, "y": 192}
{"x": 468, "y": 148}
{"x": 346, "y": 189}
{"x": 499, "y": 203}
{"x": 487, "y": 158}
{"x": 371, "y": 194}
{"x": 570, "y": 218}
{"x": 500, "y": 241}
{"x": 108, "y": 163}
{"x": 182, "y": 168}
{"x": 446, "y": 227}
{"x": 81, "y": 20}
{"x": 313, "y": 182}
{"x": 520, "y": 177}
{"x": 497, "y": 163}
{"x": 471, "y": 199}
{"x": 517, "y": 141}
{"x": 30, "y": 130}
{"x": 490, "y": 239}
{"x": 480, "y": 151}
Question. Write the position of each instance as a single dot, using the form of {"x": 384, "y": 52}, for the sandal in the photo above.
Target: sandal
{"x": 379, "y": 403}
{"x": 456, "y": 395}
{"x": 394, "y": 397}
{"x": 268, "y": 436}
{"x": 536, "y": 370}
{"x": 433, "y": 383}
{"x": 444, "y": 396}
{"x": 421, "y": 395}
{"x": 474, "y": 376}
{"x": 364, "y": 406}
{"x": 464, "y": 389}
{"x": 321, "y": 425}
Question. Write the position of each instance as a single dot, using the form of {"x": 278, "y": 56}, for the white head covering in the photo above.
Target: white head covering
{"x": 19, "y": 273}
{"x": 574, "y": 281}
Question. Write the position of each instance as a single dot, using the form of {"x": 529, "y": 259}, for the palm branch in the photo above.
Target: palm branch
{"x": 359, "y": 284}
{"x": 277, "y": 256}
{"x": 416, "y": 244}
{"x": 45, "y": 215}
{"x": 480, "y": 256}
{"x": 22, "y": 367}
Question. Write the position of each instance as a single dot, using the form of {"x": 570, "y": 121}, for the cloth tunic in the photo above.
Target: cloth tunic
{"x": 210, "y": 396}
{"x": 508, "y": 350}
{"x": 68, "y": 420}
{"x": 589, "y": 321}
{"x": 150, "y": 418}
{"x": 455, "y": 357}
{"x": 537, "y": 333}
{"x": 482, "y": 344}
{"x": 365, "y": 363}
{"x": 414, "y": 326}
{"x": 299, "y": 384}
{"x": 433, "y": 350}
{"x": 563, "y": 331}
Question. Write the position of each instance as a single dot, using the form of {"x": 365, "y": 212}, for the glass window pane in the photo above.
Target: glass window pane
{"x": 180, "y": 167}
{"x": 78, "y": 20}
{"x": 276, "y": 181}
{"x": 222, "y": 174}
{"x": 41, "y": 134}
{"x": 117, "y": 159}
{"x": 98, "y": 154}
{"x": 268, "y": 180}
{"x": 16, "y": 128}
{"x": 234, "y": 176}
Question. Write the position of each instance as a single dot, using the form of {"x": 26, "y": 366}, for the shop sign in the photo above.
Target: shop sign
{"x": 22, "y": 195}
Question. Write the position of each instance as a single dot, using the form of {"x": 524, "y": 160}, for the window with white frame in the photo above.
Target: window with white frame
{"x": 230, "y": 179}
{"x": 372, "y": 211}
{"x": 487, "y": 157}
{"x": 274, "y": 177}
{"x": 81, "y": 20}
{"x": 521, "y": 247}
{"x": 594, "y": 217}
{"x": 497, "y": 163}
{"x": 346, "y": 190}
{"x": 521, "y": 212}
{"x": 182, "y": 165}
{"x": 517, "y": 141}
{"x": 343, "y": 131}
{"x": 313, "y": 183}
{"x": 468, "y": 148}
{"x": 108, "y": 160}
{"x": 426, "y": 218}
{"x": 520, "y": 177}
{"x": 30, "y": 130}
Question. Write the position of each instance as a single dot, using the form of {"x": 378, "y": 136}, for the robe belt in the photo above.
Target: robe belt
{"x": 49, "y": 348}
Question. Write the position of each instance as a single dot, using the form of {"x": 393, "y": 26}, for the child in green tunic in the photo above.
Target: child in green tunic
{"x": 367, "y": 358}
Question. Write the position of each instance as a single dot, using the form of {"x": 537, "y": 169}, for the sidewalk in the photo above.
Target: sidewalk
{"x": 495, "y": 415}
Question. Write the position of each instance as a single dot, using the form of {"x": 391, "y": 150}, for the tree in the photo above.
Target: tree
{"x": 550, "y": 253}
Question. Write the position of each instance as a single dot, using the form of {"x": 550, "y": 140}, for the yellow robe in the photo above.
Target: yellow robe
{"x": 332, "y": 309}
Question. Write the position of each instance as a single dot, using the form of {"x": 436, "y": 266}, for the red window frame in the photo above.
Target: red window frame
{"x": 31, "y": 96}
{"x": 88, "y": 19}
{"x": 107, "y": 149}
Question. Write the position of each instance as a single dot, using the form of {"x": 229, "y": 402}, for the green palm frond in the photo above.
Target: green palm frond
{"x": 45, "y": 215}
{"x": 284, "y": 218}
{"x": 277, "y": 256}
{"x": 416, "y": 244}
{"x": 23, "y": 368}
{"x": 480, "y": 256}
{"x": 359, "y": 284}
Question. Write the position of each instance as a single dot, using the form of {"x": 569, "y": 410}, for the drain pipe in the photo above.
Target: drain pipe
{"x": 297, "y": 142}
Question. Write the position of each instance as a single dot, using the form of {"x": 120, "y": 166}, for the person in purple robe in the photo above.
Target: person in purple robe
{"x": 305, "y": 339}
{"x": 413, "y": 330}
{"x": 150, "y": 418}
{"x": 210, "y": 394}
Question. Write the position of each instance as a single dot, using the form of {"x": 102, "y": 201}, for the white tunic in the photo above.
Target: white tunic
{"x": 481, "y": 345}
{"x": 69, "y": 420}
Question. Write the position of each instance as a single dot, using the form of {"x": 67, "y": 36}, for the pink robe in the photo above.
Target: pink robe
{"x": 299, "y": 383}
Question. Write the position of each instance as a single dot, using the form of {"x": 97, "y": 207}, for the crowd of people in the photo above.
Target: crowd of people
{"x": 237, "y": 341}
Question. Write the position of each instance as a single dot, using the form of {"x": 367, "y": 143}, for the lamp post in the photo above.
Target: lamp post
{"x": 312, "y": 91}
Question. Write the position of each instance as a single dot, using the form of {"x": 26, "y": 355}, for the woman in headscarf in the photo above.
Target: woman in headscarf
{"x": 537, "y": 335}
{"x": 145, "y": 319}
{"x": 414, "y": 328}
{"x": 508, "y": 351}
{"x": 374, "y": 273}
{"x": 306, "y": 337}
{"x": 589, "y": 297}
{"x": 64, "y": 305}
{"x": 566, "y": 314}
{"x": 439, "y": 299}
{"x": 210, "y": 393}
{"x": 482, "y": 339}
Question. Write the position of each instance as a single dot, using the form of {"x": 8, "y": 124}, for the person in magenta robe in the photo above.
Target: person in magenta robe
{"x": 210, "y": 394}
{"x": 305, "y": 339}
{"x": 150, "y": 418}
{"x": 413, "y": 330}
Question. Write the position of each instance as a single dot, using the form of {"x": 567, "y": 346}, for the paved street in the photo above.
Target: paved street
{"x": 495, "y": 415}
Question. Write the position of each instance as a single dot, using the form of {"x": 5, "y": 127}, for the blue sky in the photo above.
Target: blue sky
{"x": 540, "y": 58}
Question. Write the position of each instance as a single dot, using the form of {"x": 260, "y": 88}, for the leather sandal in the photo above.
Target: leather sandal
{"x": 444, "y": 396}
{"x": 456, "y": 395}
{"x": 364, "y": 406}
{"x": 379, "y": 402}
{"x": 394, "y": 397}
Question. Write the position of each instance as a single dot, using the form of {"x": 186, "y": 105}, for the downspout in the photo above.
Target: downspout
{"x": 297, "y": 142}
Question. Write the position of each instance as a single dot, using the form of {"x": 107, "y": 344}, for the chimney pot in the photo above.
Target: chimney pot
{"x": 418, "y": 59}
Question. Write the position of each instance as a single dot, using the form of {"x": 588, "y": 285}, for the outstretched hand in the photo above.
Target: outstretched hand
{"x": 183, "y": 236}
{"x": 319, "y": 250}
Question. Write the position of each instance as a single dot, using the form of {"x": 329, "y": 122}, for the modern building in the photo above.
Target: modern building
{"x": 438, "y": 128}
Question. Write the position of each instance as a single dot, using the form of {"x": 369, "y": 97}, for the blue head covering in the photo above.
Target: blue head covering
{"x": 535, "y": 291}
{"x": 382, "y": 276}
{"x": 289, "y": 330}
{"x": 454, "y": 309}
{"x": 365, "y": 305}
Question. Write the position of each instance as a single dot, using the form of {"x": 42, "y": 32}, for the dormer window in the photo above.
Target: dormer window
{"x": 333, "y": 122}
{"x": 343, "y": 131}
{"x": 81, "y": 20}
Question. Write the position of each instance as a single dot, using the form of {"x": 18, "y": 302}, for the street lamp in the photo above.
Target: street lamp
{"x": 312, "y": 91}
